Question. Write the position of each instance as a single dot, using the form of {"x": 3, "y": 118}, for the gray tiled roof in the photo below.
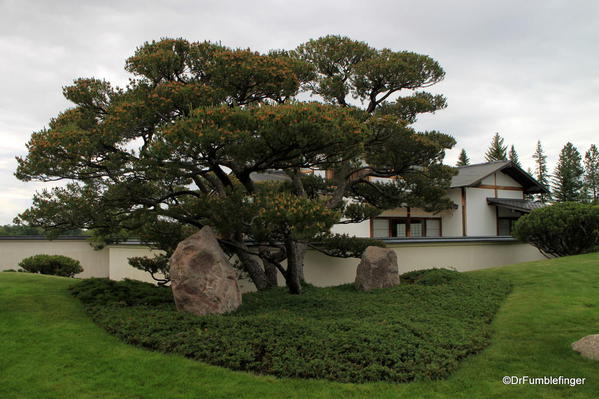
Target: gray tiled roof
{"x": 472, "y": 175}
{"x": 521, "y": 205}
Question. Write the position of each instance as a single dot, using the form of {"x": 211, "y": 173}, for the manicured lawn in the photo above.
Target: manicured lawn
{"x": 49, "y": 348}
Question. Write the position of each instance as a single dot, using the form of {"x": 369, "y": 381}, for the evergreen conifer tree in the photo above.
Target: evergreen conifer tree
{"x": 591, "y": 174}
{"x": 541, "y": 171}
{"x": 568, "y": 177}
{"x": 513, "y": 156}
{"x": 497, "y": 150}
{"x": 463, "y": 159}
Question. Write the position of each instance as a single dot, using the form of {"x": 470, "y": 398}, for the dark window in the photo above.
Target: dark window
{"x": 505, "y": 226}
{"x": 406, "y": 227}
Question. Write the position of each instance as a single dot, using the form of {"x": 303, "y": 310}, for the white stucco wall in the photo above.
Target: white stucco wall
{"x": 481, "y": 218}
{"x": 118, "y": 260}
{"x": 452, "y": 219}
{"x": 489, "y": 180}
{"x": 510, "y": 194}
{"x": 353, "y": 229}
{"x": 500, "y": 179}
{"x": 505, "y": 180}
{"x": 94, "y": 262}
{"x": 320, "y": 270}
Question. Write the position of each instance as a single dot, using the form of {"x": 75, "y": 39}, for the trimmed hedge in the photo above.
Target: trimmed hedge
{"x": 403, "y": 333}
{"x": 56, "y": 265}
{"x": 562, "y": 229}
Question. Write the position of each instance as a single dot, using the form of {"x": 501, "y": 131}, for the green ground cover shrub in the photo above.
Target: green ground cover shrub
{"x": 56, "y": 265}
{"x": 102, "y": 291}
{"x": 430, "y": 277}
{"x": 408, "y": 332}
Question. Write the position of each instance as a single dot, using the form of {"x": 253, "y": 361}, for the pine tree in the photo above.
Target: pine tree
{"x": 530, "y": 197}
{"x": 567, "y": 180}
{"x": 497, "y": 150}
{"x": 463, "y": 159}
{"x": 163, "y": 125}
{"x": 513, "y": 156}
{"x": 541, "y": 171}
{"x": 591, "y": 174}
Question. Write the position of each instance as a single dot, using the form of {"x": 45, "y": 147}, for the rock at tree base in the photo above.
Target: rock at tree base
{"x": 202, "y": 279}
{"x": 378, "y": 269}
{"x": 588, "y": 346}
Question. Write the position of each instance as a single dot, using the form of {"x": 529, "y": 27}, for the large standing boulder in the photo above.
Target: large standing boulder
{"x": 378, "y": 269}
{"x": 588, "y": 346}
{"x": 202, "y": 279}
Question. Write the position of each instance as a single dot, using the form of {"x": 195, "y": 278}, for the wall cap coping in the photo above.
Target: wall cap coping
{"x": 63, "y": 238}
{"x": 489, "y": 239}
{"x": 419, "y": 240}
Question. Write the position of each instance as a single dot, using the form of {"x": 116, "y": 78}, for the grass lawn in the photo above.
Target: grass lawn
{"x": 50, "y": 348}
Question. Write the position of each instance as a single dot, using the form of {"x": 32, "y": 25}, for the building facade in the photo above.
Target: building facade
{"x": 488, "y": 198}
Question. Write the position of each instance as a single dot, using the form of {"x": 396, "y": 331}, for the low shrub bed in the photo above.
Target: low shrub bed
{"x": 417, "y": 330}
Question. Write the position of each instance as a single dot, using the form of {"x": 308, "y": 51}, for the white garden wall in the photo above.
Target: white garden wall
{"x": 320, "y": 270}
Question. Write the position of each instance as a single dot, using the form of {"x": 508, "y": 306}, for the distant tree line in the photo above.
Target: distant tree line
{"x": 20, "y": 230}
{"x": 575, "y": 178}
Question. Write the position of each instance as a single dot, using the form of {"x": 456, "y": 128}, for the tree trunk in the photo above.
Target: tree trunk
{"x": 254, "y": 269}
{"x": 300, "y": 251}
{"x": 271, "y": 273}
{"x": 293, "y": 278}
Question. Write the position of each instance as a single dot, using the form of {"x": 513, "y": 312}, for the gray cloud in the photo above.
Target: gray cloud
{"x": 527, "y": 70}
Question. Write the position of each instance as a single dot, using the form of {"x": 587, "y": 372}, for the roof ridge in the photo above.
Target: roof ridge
{"x": 484, "y": 163}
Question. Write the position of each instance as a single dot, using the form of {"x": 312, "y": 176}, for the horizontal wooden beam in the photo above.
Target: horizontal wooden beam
{"x": 494, "y": 187}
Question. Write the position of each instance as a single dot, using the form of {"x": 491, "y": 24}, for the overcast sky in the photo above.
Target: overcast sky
{"x": 526, "y": 69}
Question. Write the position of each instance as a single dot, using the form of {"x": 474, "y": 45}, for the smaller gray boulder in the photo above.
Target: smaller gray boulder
{"x": 588, "y": 346}
{"x": 377, "y": 269}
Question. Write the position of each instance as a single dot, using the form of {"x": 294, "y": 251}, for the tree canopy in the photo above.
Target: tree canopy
{"x": 463, "y": 159}
{"x": 497, "y": 151}
{"x": 568, "y": 177}
{"x": 591, "y": 174}
{"x": 513, "y": 156}
{"x": 541, "y": 171}
{"x": 20, "y": 230}
{"x": 180, "y": 146}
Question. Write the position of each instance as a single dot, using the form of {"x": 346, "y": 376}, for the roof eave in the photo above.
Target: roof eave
{"x": 534, "y": 188}
{"x": 535, "y": 184}
{"x": 513, "y": 207}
